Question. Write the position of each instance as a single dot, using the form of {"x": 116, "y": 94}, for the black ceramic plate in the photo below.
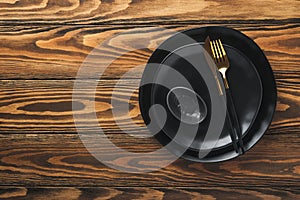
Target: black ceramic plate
{"x": 251, "y": 81}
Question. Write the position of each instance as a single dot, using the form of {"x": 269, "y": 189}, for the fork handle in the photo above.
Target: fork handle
{"x": 232, "y": 132}
{"x": 236, "y": 123}
{"x": 225, "y": 82}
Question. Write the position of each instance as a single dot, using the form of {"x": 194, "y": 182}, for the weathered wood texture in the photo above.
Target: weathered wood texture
{"x": 146, "y": 11}
{"x": 43, "y": 44}
{"x": 142, "y": 193}
{"x": 62, "y": 160}
{"x": 31, "y": 106}
{"x": 57, "y": 52}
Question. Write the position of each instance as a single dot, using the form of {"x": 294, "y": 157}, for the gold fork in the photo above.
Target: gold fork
{"x": 220, "y": 57}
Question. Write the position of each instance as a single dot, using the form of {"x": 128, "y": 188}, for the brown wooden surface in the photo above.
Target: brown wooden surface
{"x": 62, "y": 160}
{"x": 44, "y": 42}
{"x": 143, "y": 11}
{"x": 177, "y": 193}
{"x": 57, "y": 52}
{"x": 40, "y": 106}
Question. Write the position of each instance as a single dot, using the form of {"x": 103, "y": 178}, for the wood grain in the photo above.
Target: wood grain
{"x": 33, "y": 160}
{"x": 42, "y": 46}
{"x": 57, "y": 52}
{"x": 46, "y": 106}
{"x": 145, "y": 11}
{"x": 114, "y": 193}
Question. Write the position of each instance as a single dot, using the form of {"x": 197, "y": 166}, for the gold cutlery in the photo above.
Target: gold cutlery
{"x": 219, "y": 55}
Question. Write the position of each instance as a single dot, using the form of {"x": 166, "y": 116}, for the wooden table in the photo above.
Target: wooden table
{"x": 44, "y": 42}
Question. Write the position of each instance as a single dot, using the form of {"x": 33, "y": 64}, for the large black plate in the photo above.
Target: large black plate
{"x": 251, "y": 81}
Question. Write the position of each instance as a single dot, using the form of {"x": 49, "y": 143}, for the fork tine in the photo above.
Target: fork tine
{"x": 219, "y": 50}
{"x": 216, "y": 51}
{"x": 213, "y": 51}
{"x": 223, "y": 50}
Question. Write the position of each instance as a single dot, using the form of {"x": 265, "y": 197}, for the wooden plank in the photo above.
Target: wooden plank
{"x": 57, "y": 52}
{"x": 177, "y": 193}
{"x": 41, "y": 156}
{"x": 46, "y": 106}
{"x": 61, "y": 160}
{"x": 145, "y": 11}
